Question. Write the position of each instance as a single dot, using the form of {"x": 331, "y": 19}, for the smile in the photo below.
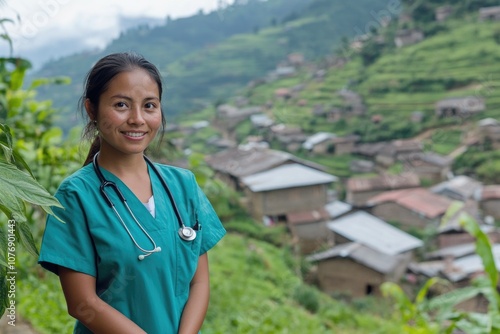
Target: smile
{"x": 134, "y": 134}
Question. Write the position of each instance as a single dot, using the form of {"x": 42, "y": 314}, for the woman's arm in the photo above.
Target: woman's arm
{"x": 84, "y": 305}
{"x": 197, "y": 304}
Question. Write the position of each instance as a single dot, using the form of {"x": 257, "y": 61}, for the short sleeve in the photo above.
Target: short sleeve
{"x": 68, "y": 244}
{"x": 211, "y": 226}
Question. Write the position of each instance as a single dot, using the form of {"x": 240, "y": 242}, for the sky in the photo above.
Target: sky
{"x": 49, "y": 29}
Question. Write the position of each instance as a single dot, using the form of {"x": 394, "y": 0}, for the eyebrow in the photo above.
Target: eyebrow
{"x": 120, "y": 96}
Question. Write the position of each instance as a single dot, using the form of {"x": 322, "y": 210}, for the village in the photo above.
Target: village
{"x": 359, "y": 232}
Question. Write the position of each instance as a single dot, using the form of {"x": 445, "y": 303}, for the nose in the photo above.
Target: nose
{"x": 136, "y": 116}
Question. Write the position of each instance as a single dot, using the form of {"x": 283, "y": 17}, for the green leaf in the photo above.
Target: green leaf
{"x": 23, "y": 233}
{"x": 23, "y": 186}
{"x": 12, "y": 206}
{"x": 20, "y": 161}
{"x": 483, "y": 249}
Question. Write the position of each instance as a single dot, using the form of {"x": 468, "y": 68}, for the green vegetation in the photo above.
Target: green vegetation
{"x": 209, "y": 57}
{"x": 434, "y": 312}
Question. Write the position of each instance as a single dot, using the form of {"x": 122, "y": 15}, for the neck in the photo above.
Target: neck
{"x": 121, "y": 164}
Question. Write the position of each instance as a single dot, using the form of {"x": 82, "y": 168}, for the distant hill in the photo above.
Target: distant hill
{"x": 209, "y": 56}
{"x": 457, "y": 57}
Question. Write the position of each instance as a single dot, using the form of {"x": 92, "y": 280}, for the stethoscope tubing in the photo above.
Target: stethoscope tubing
{"x": 185, "y": 233}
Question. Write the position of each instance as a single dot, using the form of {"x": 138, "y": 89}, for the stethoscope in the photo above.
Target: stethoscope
{"x": 186, "y": 233}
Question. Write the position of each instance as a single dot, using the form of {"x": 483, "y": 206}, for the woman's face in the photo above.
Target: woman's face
{"x": 129, "y": 113}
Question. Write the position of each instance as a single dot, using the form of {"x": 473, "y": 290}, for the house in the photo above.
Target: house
{"x": 283, "y": 93}
{"x": 309, "y": 227}
{"x": 353, "y": 102}
{"x": 362, "y": 166}
{"x": 319, "y": 143}
{"x": 429, "y": 166}
{"x": 368, "y": 252}
{"x": 228, "y": 116}
{"x": 373, "y": 232}
{"x": 489, "y": 13}
{"x": 443, "y": 12}
{"x": 261, "y": 121}
{"x": 408, "y": 37}
{"x": 459, "y": 265}
{"x": 233, "y": 164}
{"x": 370, "y": 150}
{"x": 360, "y": 189}
{"x": 337, "y": 209}
{"x": 344, "y": 145}
{"x": 397, "y": 150}
{"x": 489, "y": 201}
{"x": 460, "y": 188}
{"x": 415, "y": 207}
{"x": 290, "y": 138}
{"x": 286, "y": 189}
{"x": 221, "y": 143}
{"x": 489, "y": 132}
{"x": 451, "y": 232}
{"x": 460, "y": 106}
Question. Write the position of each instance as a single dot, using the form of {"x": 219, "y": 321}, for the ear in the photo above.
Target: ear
{"x": 89, "y": 108}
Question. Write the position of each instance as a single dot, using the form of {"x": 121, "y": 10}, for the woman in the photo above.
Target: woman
{"x": 126, "y": 265}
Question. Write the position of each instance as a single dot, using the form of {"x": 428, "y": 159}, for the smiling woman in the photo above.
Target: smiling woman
{"x": 133, "y": 257}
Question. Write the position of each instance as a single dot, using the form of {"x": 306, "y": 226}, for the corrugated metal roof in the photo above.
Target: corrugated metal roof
{"x": 337, "y": 208}
{"x": 455, "y": 251}
{"x": 468, "y": 265}
{"x": 317, "y": 139}
{"x": 380, "y": 262}
{"x": 383, "y": 182}
{"x": 287, "y": 176}
{"x": 490, "y": 192}
{"x": 373, "y": 232}
{"x": 460, "y": 187}
{"x": 418, "y": 200}
{"x": 240, "y": 162}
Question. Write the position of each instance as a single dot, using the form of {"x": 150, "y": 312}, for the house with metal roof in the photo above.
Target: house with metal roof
{"x": 286, "y": 189}
{"x": 489, "y": 200}
{"x": 429, "y": 166}
{"x": 233, "y": 164}
{"x": 415, "y": 207}
{"x": 368, "y": 252}
{"x": 460, "y": 106}
{"x": 372, "y": 232}
{"x": 309, "y": 227}
{"x": 460, "y": 188}
{"x": 318, "y": 142}
{"x": 361, "y": 189}
{"x": 356, "y": 269}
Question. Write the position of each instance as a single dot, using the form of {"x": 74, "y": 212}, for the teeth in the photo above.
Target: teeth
{"x": 135, "y": 134}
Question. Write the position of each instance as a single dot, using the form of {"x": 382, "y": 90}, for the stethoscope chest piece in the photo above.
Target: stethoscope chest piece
{"x": 187, "y": 233}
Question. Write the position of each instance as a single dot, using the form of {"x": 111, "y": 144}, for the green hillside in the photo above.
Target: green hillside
{"x": 458, "y": 60}
{"x": 209, "y": 56}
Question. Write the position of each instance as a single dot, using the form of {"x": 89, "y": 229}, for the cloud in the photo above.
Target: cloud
{"x": 83, "y": 25}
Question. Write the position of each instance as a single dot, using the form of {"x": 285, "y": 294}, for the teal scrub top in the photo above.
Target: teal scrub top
{"x": 151, "y": 292}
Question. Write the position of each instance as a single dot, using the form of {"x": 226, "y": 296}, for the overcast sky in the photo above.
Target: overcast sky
{"x": 85, "y": 24}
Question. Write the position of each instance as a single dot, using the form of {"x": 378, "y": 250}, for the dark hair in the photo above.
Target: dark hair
{"x": 97, "y": 81}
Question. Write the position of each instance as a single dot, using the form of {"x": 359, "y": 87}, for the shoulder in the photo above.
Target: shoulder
{"x": 79, "y": 180}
